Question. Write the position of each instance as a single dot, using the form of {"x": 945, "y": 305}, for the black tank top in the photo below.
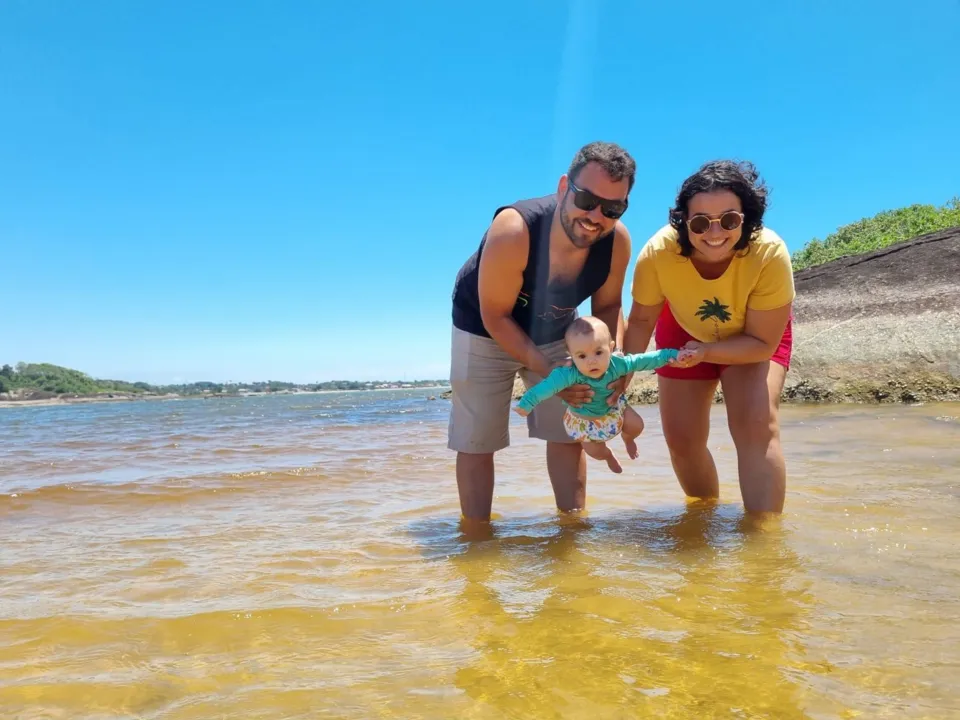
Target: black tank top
{"x": 541, "y": 311}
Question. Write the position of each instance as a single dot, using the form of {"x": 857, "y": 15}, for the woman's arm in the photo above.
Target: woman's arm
{"x": 648, "y": 301}
{"x": 759, "y": 340}
{"x": 640, "y": 326}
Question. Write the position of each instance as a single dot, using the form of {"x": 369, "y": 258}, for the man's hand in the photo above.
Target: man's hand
{"x": 617, "y": 388}
{"x": 575, "y": 395}
{"x": 520, "y": 411}
{"x": 690, "y": 354}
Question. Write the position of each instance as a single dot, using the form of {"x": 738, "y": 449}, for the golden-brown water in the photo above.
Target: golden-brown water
{"x": 301, "y": 557}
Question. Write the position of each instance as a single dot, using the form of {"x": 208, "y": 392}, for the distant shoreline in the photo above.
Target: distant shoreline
{"x": 121, "y": 397}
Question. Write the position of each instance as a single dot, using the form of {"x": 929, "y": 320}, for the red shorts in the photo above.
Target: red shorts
{"x": 669, "y": 334}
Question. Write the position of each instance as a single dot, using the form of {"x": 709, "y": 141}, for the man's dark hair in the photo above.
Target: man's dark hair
{"x": 740, "y": 178}
{"x": 615, "y": 161}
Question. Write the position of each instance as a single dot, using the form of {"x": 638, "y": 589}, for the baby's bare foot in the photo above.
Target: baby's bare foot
{"x": 631, "y": 445}
{"x": 613, "y": 463}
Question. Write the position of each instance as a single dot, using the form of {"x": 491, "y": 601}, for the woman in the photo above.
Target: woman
{"x": 716, "y": 280}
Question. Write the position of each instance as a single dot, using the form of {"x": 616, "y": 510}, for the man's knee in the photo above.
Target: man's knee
{"x": 474, "y": 457}
{"x": 471, "y": 466}
{"x": 564, "y": 447}
{"x": 564, "y": 457}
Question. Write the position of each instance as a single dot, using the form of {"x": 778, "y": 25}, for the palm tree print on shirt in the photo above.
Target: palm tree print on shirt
{"x": 715, "y": 310}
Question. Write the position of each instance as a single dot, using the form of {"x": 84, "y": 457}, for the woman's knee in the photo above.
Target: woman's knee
{"x": 685, "y": 414}
{"x": 755, "y": 429}
{"x": 751, "y": 394}
{"x": 684, "y": 434}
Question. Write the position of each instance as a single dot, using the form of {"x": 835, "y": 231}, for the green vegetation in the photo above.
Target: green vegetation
{"x": 56, "y": 380}
{"x": 878, "y": 232}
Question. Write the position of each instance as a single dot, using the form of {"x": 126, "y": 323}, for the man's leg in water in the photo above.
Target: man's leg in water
{"x": 567, "y": 467}
{"x": 481, "y": 379}
{"x": 475, "y": 478}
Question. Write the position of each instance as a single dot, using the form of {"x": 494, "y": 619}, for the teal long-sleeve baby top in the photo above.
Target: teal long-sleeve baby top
{"x": 565, "y": 376}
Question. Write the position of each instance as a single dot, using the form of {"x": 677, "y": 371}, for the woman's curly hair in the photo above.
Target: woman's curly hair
{"x": 740, "y": 178}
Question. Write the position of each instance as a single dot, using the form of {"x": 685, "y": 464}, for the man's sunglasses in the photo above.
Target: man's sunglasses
{"x": 699, "y": 224}
{"x": 586, "y": 200}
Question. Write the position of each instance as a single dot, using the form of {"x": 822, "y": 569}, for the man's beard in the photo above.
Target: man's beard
{"x": 571, "y": 230}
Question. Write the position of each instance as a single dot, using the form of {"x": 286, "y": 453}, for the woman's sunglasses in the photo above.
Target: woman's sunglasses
{"x": 699, "y": 224}
{"x": 586, "y": 200}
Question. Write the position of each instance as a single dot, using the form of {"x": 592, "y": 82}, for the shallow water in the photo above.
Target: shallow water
{"x": 301, "y": 557}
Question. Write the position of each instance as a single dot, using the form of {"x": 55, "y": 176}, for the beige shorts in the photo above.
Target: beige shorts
{"x": 481, "y": 377}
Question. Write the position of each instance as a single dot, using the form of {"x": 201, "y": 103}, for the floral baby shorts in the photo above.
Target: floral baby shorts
{"x": 593, "y": 429}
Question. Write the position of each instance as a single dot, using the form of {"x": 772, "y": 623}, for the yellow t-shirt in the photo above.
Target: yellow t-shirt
{"x": 760, "y": 278}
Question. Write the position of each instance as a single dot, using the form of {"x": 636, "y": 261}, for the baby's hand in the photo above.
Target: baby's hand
{"x": 690, "y": 354}
{"x": 520, "y": 411}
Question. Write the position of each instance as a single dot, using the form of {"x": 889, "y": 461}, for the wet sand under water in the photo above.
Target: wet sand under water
{"x": 302, "y": 557}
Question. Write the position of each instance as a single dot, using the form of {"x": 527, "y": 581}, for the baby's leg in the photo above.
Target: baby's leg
{"x": 632, "y": 427}
{"x": 600, "y": 451}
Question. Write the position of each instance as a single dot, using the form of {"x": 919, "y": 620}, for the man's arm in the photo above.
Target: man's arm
{"x": 500, "y": 277}
{"x": 607, "y": 302}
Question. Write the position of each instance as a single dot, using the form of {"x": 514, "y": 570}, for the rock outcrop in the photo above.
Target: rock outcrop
{"x": 884, "y": 326}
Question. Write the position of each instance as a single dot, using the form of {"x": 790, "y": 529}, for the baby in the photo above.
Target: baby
{"x": 593, "y": 423}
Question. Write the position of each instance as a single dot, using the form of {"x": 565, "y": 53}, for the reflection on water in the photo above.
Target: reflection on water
{"x": 265, "y": 559}
{"x": 660, "y": 614}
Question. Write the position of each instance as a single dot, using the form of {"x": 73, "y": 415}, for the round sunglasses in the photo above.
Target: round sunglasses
{"x": 586, "y": 200}
{"x": 699, "y": 224}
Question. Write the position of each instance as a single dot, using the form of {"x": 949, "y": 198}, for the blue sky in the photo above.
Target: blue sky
{"x": 285, "y": 190}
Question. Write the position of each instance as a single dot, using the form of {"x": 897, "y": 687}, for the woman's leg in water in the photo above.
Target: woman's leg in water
{"x": 685, "y": 414}
{"x": 751, "y": 394}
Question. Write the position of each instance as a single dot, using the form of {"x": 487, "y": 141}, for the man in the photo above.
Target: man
{"x": 512, "y": 301}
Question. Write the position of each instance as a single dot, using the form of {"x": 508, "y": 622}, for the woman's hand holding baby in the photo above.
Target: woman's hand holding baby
{"x": 690, "y": 354}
